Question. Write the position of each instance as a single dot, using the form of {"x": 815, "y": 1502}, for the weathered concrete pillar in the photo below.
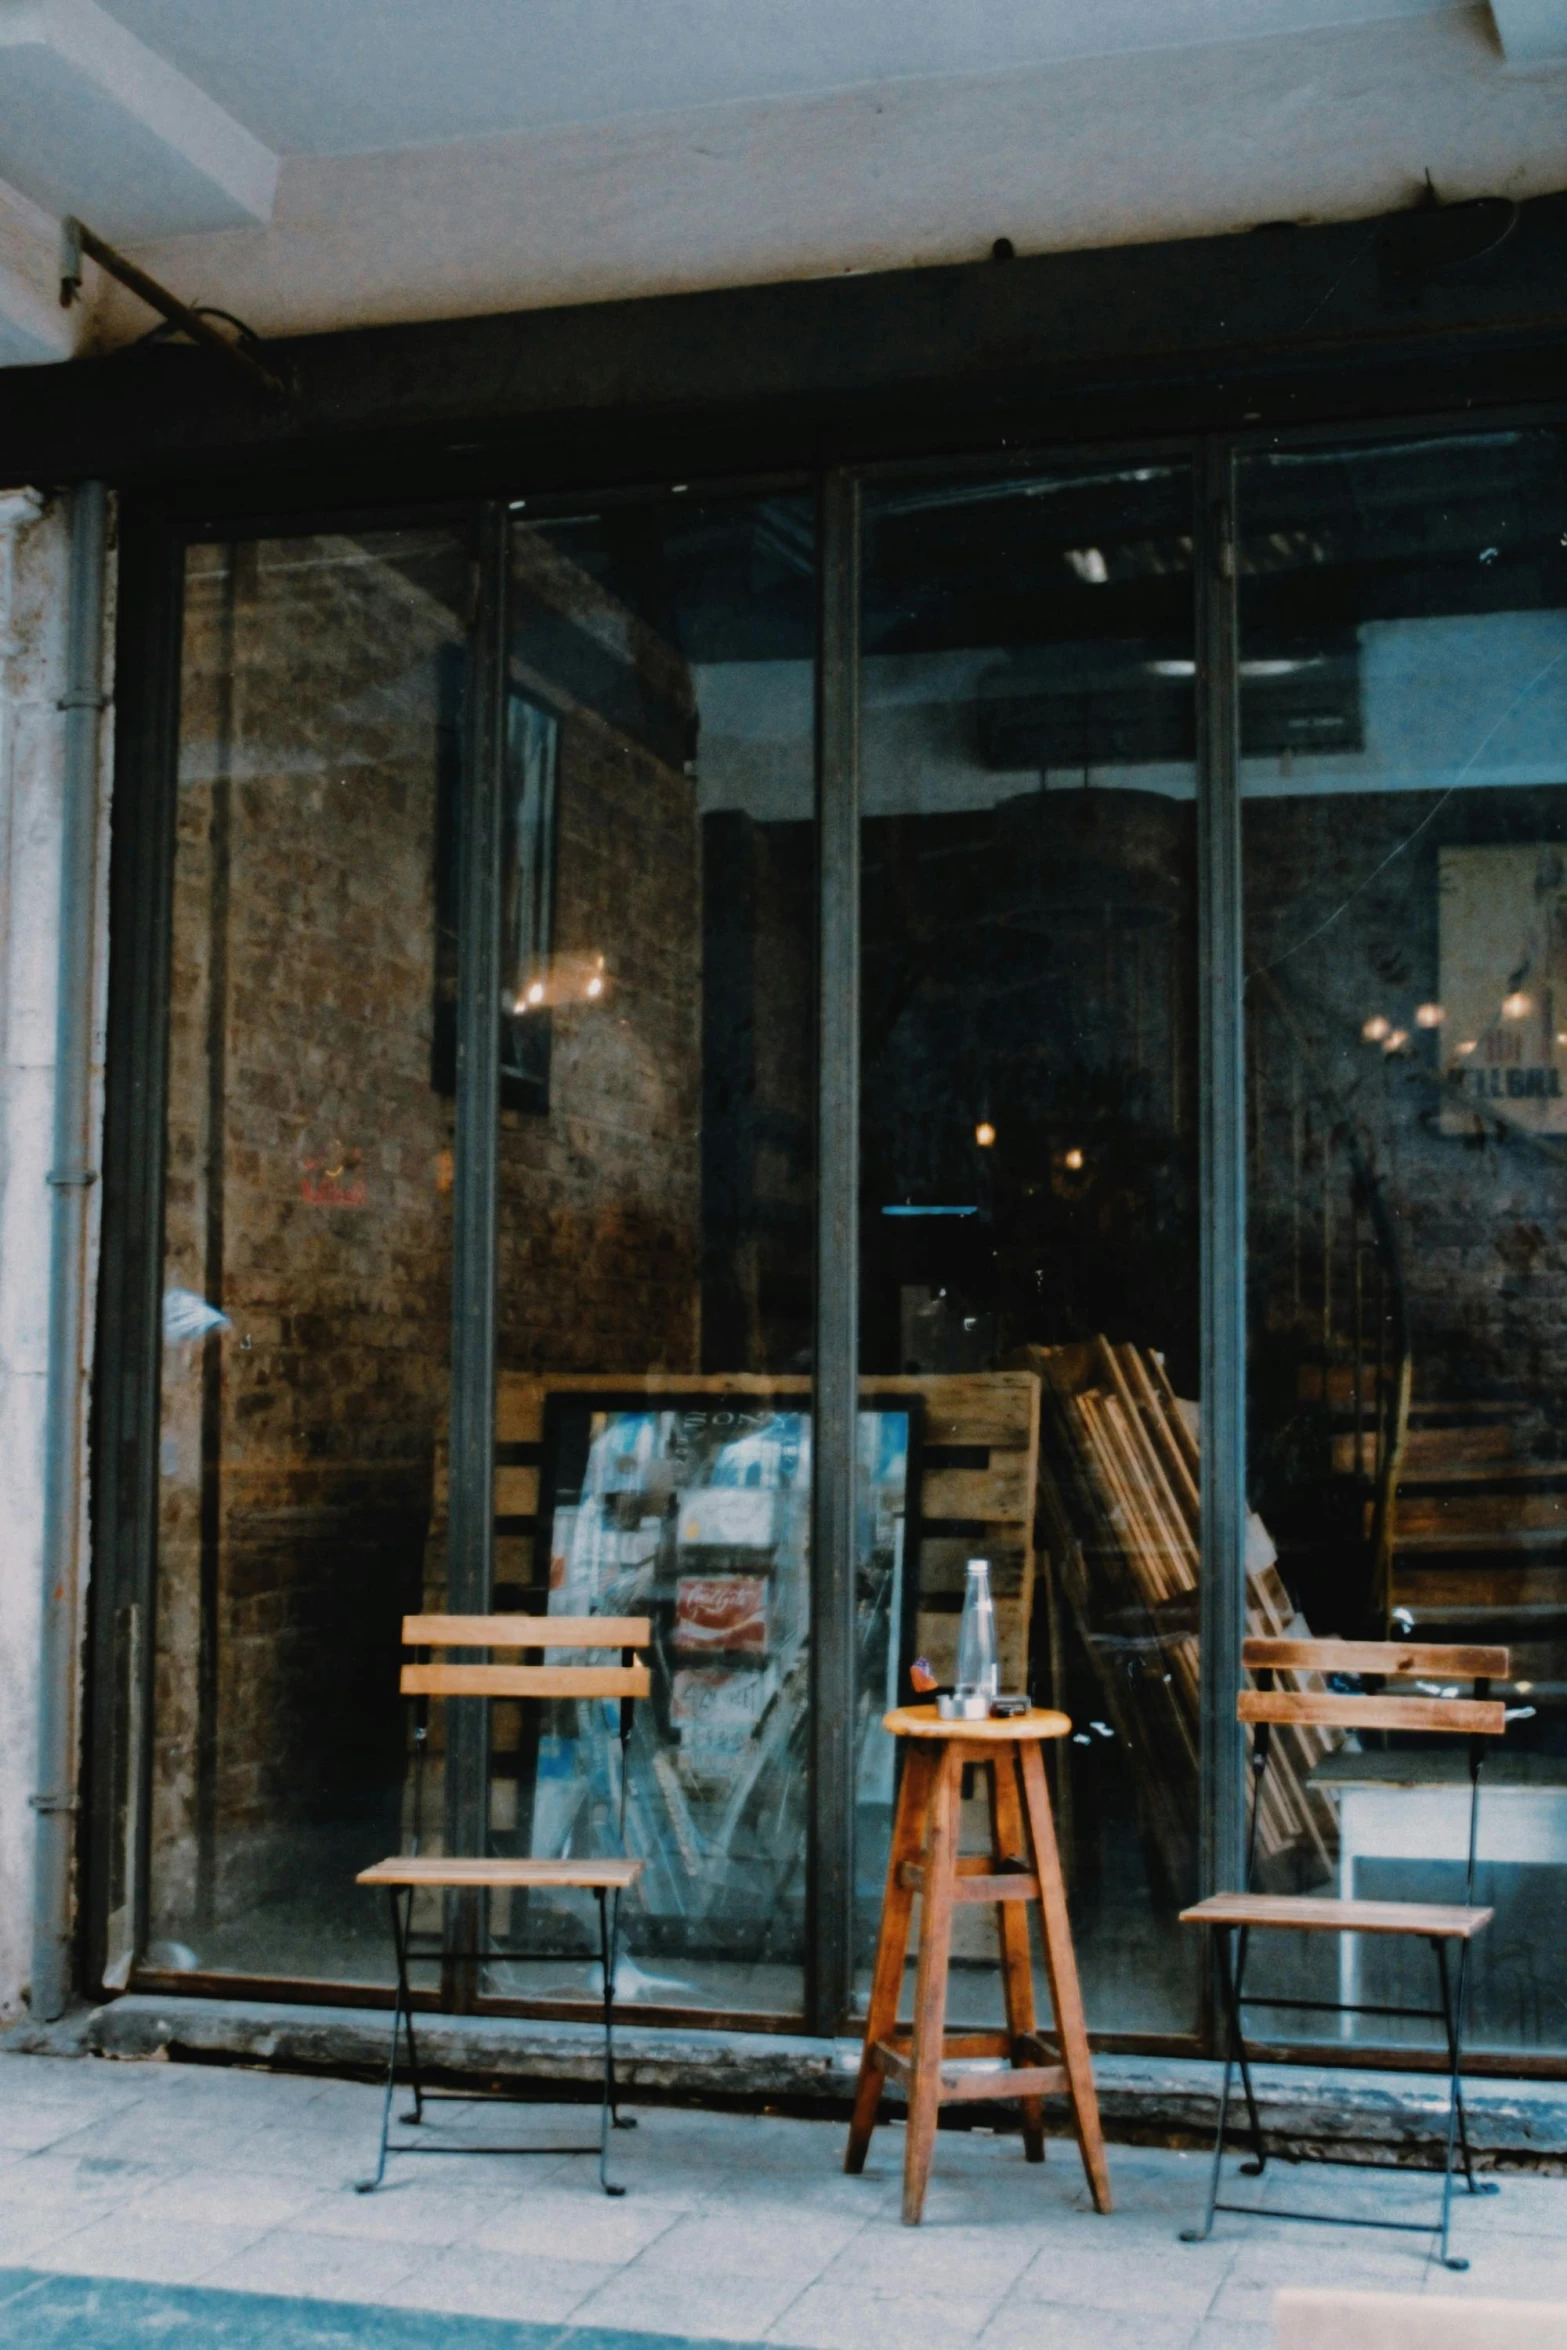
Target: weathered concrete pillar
{"x": 34, "y": 550}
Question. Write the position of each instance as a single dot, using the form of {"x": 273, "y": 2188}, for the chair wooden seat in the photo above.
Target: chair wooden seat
{"x": 456, "y": 1871}
{"x": 1310, "y": 1914}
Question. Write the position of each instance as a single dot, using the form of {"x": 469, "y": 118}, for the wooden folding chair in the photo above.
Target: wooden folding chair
{"x": 1441, "y": 1924}
{"x": 406, "y": 1874}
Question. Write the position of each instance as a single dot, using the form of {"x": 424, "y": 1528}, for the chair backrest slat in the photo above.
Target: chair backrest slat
{"x": 1391, "y": 1658}
{"x": 1478, "y": 1717}
{"x": 526, "y": 1681}
{"x": 527, "y": 1631}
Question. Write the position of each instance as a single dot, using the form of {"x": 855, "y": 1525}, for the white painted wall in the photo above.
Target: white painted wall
{"x": 34, "y": 544}
{"x": 1318, "y": 124}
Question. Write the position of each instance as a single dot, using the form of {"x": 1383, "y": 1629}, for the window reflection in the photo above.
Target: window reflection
{"x": 1406, "y": 1014}
{"x": 1027, "y": 1151}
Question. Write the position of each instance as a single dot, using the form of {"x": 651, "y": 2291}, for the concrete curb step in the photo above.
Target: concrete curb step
{"x": 1306, "y": 2109}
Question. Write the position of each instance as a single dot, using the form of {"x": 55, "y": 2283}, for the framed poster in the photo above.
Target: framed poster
{"x": 694, "y": 1510}
{"x": 1502, "y": 919}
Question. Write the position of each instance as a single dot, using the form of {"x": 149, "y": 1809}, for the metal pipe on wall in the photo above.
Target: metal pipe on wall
{"x": 70, "y": 1179}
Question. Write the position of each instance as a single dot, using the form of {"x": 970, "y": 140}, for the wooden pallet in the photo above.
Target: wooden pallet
{"x": 981, "y": 1507}
{"x": 1120, "y": 1516}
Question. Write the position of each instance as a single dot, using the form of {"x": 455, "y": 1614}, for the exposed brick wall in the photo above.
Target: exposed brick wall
{"x": 303, "y": 961}
{"x": 298, "y": 1447}
{"x": 599, "y": 1203}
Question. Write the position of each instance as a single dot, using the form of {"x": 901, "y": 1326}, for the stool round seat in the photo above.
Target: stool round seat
{"x": 923, "y": 1721}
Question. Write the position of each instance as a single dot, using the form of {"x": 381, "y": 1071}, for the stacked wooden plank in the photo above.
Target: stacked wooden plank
{"x": 1120, "y": 1516}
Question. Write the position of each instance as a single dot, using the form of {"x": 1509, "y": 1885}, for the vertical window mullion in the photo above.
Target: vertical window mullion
{"x": 471, "y": 1517}
{"x": 1223, "y": 1171}
{"x": 835, "y": 1402}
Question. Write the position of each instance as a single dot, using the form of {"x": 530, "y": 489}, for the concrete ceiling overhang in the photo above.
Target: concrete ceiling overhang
{"x": 342, "y": 77}
{"x": 1532, "y": 32}
{"x": 316, "y": 163}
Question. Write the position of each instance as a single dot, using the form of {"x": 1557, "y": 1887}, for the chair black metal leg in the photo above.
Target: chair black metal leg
{"x": 1200, "y": 2235}
{"x": 401, "y": 1933}
{"x": 1475, "y": 2186}
{"x": 1457, "y": 2126}
{"x": 1259, "y": 2163}
{"x": 400, "y": 2017}
{"x": 608, "y": 2118}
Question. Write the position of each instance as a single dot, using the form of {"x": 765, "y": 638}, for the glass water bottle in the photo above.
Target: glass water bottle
{"x": 978, "y": 1672}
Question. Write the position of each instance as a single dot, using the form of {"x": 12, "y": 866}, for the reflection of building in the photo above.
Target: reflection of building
{"x": 696, "y": 842}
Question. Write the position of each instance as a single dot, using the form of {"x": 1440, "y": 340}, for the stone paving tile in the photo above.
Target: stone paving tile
{"x": 81, "y": 2174}
{"x": 1046, "y": 2325}
{"x": 332, "y": 2268}
{"x": 1311, "y": 2256}
{"x": 736, "y": 2229}
{"x": 476, "y": 2283}
{"x": 589, "y": 2226}
{"x": 1511, "y": 2272}
{"x": 39, "y": 2237}
{"x": 839, "y": 2317}
{"x": 397, "y": 2215}
{"x": 769, "y": 2242}
{"x": 727, "y": 2307}
{"x": 1138, "y": 2276}
{"x": 133, "y": 2244}
{"x": 227, "y": 2198}
{"x": 1226, "y": 2333}
{"x": 962, "y": 2264}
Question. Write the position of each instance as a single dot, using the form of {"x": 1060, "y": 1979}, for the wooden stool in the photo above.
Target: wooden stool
{"x": 924, "y": 1859}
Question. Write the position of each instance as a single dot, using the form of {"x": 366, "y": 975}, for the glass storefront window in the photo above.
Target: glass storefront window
{"x": 307, "y": 1237}
{"x": 656, "y": 1199}
{"x": 1028, "y": 1163}
{"x": 1028, "y": 1188}
{"x": 1404, "y": 730}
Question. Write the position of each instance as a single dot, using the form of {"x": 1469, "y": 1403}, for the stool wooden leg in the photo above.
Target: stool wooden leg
{"x": 930, "y": 1993}
{"x": 1008, "y": 1842}
{"x": 1061, "y": 1967}
{"x": 892, "y": 1949}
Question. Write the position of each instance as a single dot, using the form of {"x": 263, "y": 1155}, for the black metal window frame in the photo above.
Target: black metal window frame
{"x": 157, "y": 527}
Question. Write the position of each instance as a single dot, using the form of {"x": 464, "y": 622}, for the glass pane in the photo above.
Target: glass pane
{"x": 1404, "y": 719}
{"x": 656, "y": 1184}
{"x": 1028, "y": 1166}
{"x": 307, "y": 1235}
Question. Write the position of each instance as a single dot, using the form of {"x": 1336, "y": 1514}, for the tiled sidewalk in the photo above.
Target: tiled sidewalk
{"x": 228, "y": 2197}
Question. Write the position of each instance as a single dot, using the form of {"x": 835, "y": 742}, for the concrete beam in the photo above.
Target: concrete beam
{"x": 1092, "y": 152}
{"x": 33, "y": 327}
{"x": 94, "y": 122}
{"x": 1532, "y": 32}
